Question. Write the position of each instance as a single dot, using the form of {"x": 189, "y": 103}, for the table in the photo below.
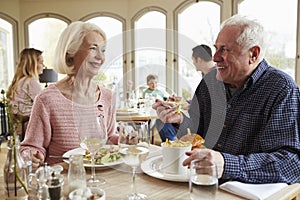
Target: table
{"x": 118, "y": 185}
{"x": 137, "y": 118}
{"x": 119, "y": 178}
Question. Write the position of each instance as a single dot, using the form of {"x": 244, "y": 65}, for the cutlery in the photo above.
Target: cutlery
{"x": 67, "y": 158}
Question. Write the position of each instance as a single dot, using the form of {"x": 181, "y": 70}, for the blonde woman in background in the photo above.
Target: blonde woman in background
{"x": 25, "y": 85}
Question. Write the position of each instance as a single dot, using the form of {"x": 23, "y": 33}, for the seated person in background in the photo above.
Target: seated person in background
{"x": 168, "y": 130}
{"x": 202, "y": 60}
{"x": 25, "y": 86}
{"x": 53, "y": 129}
{"x": 152, "y": 89}
{"x": 246, "y": 110}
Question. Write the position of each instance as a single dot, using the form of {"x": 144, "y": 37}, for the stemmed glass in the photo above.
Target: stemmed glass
{"x": 134, "y": 148}
{"x": 92, "y": 134}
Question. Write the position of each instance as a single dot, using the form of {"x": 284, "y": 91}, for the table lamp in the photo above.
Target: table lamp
{"x": 48, "y": 76}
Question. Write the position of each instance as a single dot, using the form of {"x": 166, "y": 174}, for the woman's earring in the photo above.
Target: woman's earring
{"x": 70, "y": 60}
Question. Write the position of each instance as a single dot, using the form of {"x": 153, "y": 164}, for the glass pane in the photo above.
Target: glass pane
{"x": 197, "y": 24}
{"x": 150, "y": 48}
{"x": 281, "y": 24}
{"x": 113, "y": 66}
{"x": 111, "y": 73}
{"x": 7, "y": 64}
{"x": 43, "y": 35}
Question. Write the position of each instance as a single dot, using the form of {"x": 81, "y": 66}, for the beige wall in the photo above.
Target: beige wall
{"x": 22, "y": 10}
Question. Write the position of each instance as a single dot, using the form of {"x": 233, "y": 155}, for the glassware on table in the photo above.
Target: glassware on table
{"x": 76, "y": 173}
{"x": 15, "y": 172}
{"x": 27, "y": 157}
{"x": 134, "y": 148}
{"x": 37, "y": 181}
{"x": 93, "y": 138}
{"x": 203, "y": 183}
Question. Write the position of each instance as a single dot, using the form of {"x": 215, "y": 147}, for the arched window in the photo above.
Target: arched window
{"x": 113, "y": 27}
{"x": 43, "y": 33}
{"x": 149, "y": 46}
{"x": 281, "y": 24}
{"x": 197, "y": 23}
{"x": 8, "y": 49}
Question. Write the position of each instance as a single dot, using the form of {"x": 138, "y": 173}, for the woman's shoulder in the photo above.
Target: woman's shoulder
{"x": 51, "y": 92}
{"x": 105, "y": 91}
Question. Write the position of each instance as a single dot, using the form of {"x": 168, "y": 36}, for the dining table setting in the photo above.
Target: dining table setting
{"x": 152, "y": 181}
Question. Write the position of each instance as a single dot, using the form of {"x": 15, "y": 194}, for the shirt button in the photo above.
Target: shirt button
{"x": 219, "y": 145}
{"x": 224, "y": 126}
{"x": 228, "y": 106}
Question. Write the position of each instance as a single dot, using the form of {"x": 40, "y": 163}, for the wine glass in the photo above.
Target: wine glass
{"x": 133, "y": 146}
{"x": 92, "y": 134}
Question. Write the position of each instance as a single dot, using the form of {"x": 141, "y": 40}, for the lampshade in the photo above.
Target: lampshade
{"x": 48, "y": 76}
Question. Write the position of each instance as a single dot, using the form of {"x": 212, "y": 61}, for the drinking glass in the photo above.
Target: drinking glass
{"x": 203, "y": 183}
{"x": 92, "y": 134}
{"x": 93, "y": 140}
{"x": 134, "y": 148}
{"x": 27, "y": 157}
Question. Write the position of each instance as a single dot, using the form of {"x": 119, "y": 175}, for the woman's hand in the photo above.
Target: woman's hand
{"x": 166, "y": 111}
{"x": 206, "y": 154}
{"x": 37, "y": 159}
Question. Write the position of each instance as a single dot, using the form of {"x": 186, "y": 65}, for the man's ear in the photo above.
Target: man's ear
{"x": 254, "y": 54}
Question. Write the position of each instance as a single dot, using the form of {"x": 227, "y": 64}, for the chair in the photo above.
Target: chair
{"x": 22, "y": 125}
{"x": 4, "y": 124}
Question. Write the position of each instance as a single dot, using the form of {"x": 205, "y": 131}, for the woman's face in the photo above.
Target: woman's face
{"x": 90, "y": 55}
{"x": 40, "y": 65}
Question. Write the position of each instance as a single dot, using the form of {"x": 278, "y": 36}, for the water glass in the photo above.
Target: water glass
{"x": 203, "y": 183}
{"x": 27, "y": 157}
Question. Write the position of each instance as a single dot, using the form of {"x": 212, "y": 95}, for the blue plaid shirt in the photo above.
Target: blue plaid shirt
{"x": 256, "y": 128}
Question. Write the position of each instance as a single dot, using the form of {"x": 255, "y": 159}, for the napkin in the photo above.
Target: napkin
{"x": 252, "y": 191}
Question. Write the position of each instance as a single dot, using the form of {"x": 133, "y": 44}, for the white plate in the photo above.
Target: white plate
{"x": 152, "y": 167}
{"x": 82, "y": 152}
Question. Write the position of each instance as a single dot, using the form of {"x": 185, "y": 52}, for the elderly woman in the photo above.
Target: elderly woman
{"x": 53, "y": 128}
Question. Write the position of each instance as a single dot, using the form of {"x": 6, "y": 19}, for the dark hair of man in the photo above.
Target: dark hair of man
{"x": 203, "y": 51}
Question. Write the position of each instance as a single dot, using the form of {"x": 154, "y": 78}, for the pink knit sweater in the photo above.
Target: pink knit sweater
{"x": 52, "y": 130}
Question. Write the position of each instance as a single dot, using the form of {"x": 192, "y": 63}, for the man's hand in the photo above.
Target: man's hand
{"x": 208, "y": 154}
{"x": 166, "y": 111}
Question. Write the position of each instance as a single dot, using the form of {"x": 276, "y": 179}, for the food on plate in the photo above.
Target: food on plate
{"x": 104, "y": 155}
{"x": 86, "y": 193}
{"x": 176, "y": 143}
{"x": 196, "y": 140}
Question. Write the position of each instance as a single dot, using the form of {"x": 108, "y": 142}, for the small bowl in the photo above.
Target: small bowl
{"x": 86, "y": 193}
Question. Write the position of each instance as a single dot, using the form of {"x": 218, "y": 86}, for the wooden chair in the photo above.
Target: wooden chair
{"x": 22, "y": 125}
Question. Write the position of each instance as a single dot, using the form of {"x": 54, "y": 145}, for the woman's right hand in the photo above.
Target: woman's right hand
{"x": 166, "y": 111}
{"x": 37, "y": 159}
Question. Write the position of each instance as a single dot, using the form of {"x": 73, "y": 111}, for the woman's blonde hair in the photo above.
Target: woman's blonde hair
{"x": 69, "y": 42}
{"x": 27, "y": 66}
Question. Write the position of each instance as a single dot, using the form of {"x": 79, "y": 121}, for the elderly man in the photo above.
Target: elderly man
{"x": 247, "y": 110}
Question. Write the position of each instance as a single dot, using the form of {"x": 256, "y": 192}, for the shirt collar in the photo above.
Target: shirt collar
{"x": 261, "y": 68}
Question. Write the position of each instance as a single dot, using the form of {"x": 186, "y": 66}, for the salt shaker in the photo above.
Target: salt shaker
{"x": 76, "y": 173}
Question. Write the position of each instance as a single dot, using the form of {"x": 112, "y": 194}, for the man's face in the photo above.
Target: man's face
{"x": 197, "y": 63}
{"x": 234, "y": 66}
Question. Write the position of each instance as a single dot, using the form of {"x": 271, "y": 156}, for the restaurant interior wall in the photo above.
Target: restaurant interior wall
{"x": 22, "y": 10}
